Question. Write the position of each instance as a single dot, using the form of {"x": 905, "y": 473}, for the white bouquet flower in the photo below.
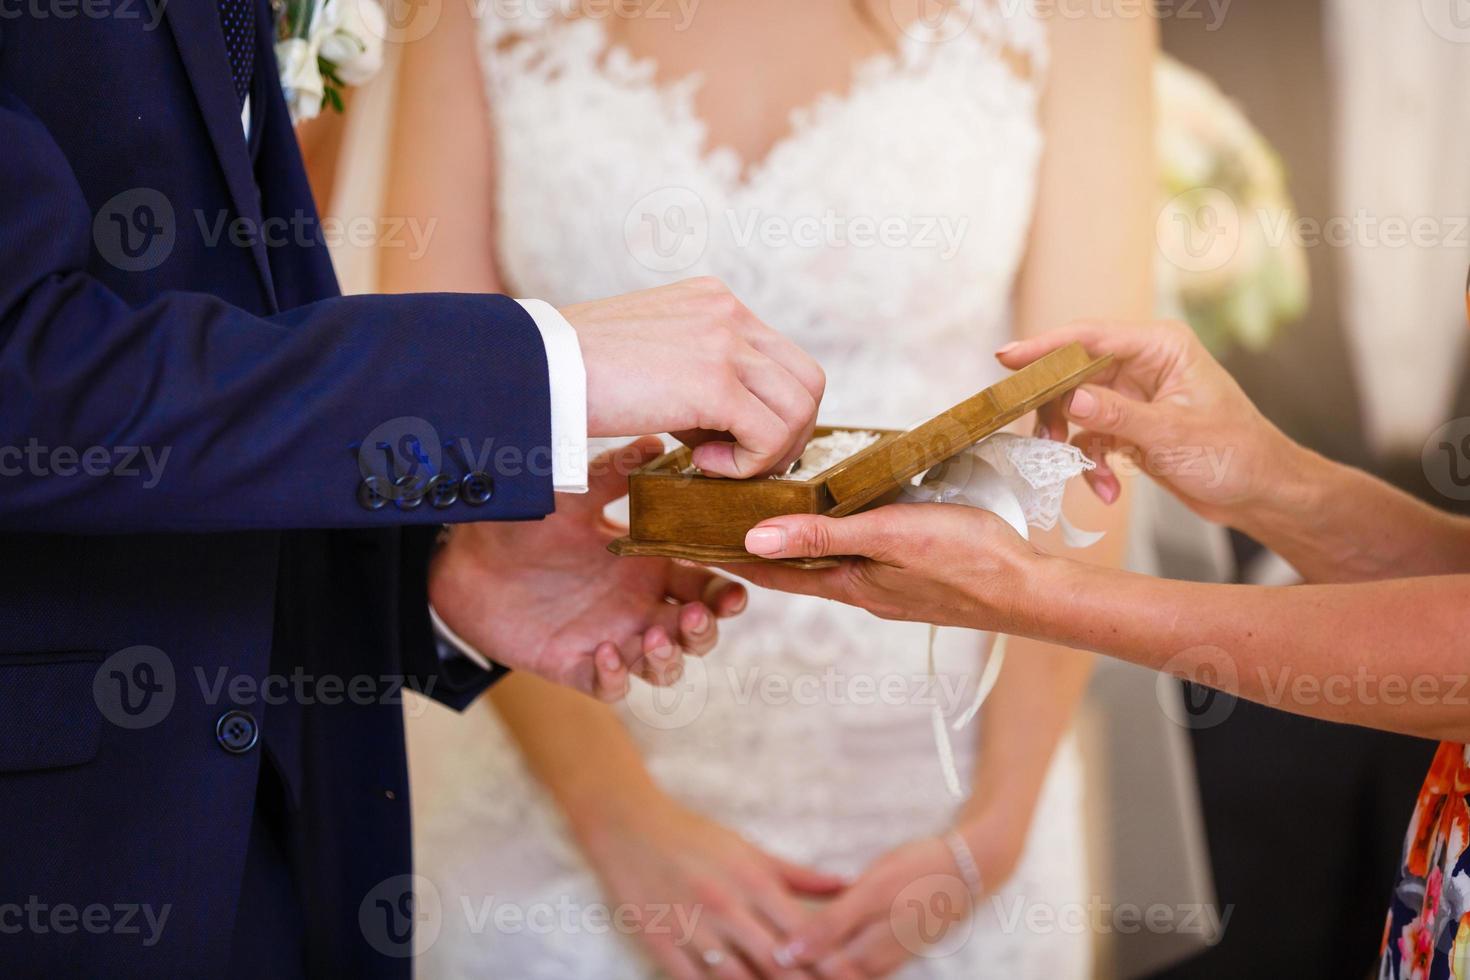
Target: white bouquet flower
{"x": 1228, "y": 261}
{"x": 325, "y": 46}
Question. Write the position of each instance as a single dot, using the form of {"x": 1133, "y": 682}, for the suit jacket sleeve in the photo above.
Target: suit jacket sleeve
{"x": 231, "y": 421}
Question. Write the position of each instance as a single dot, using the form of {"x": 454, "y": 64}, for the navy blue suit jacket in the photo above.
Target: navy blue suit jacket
{"x": 164, "y": 288}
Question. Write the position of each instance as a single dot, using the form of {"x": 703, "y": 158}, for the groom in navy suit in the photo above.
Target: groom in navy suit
{"x": 222, "y": 487}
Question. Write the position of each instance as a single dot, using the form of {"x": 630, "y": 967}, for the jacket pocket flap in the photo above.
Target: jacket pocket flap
{"x": 48, "y": 716}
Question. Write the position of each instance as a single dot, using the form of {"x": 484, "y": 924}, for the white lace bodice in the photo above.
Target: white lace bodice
{"x": 809, "y": 729}
{"x": 607, "y": 183}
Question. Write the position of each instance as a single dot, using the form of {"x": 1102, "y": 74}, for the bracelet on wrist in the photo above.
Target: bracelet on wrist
{"x": 964, "y": 860}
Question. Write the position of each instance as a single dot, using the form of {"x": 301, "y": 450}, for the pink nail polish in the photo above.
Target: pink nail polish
{"x": 765, "y": 540}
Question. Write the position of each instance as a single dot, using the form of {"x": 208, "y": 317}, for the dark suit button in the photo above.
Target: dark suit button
{"x": 408, "y": 492}
{"x": 477, "y": 488}
{"x": 443, "y": 492}
{"x": 370, "y": 494}
{"x": 237, "y": 732}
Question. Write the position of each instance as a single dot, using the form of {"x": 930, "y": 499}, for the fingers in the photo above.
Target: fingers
{"x": 1102, "y": 480}
{"x": 830, "y": 929}
{"x": 755, "y": 941}
{"x": 1122, "y": 340}
{"x": 814, "y": 536}
{"x": 784, "y": 394}
{"x": 1104, "y": 411}
{"x": 698, "y": 632}
{"x": 829, "y": 583}
{"x": 872, "y": 953}
{"x": 808, "y": 881}
{"x": 762, "y": 438}
{"x": 677, "y": 960}
{"x": 654, "y": 657}
{"x": 611, "y": 680}
{"x": 713, "y": 955}
{"x": 785, "y": 352}
{"x": 696, "y": 583}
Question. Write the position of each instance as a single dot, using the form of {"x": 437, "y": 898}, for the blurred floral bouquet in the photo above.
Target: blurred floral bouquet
{"x": 1229, "y": 263}
{"x": 324, "y": 46}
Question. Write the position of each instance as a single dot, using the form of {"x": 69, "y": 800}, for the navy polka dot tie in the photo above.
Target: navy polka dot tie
{"x": 238, "y": 19}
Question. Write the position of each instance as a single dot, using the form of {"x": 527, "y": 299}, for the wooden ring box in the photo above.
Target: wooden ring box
{"x": 674, "y": 513}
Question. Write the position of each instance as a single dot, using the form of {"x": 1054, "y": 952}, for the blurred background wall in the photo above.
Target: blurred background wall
{"x": 1364, "y": 101}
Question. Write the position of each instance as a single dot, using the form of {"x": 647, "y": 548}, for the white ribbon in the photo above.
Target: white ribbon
{"x": 969, "y": 479}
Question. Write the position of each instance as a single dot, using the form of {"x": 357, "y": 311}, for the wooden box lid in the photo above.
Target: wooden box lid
{"x": 675, "y": 513}
{"x": 892, "y": 463}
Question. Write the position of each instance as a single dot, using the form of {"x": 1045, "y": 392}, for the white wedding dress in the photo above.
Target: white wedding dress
{"x": 808, "y": 730}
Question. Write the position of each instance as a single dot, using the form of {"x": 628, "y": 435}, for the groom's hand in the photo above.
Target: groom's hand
{"x": 547, "y": 597}
{"x": 936, "y": 563}
{"x": 691, "y": 359}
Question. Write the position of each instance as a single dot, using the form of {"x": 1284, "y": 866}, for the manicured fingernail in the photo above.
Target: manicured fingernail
{"x": 662, "y": 653}
{"x": 1007, "y": 348}
{"x": 740, "y": 604}
{"x": 787, "y": 955}
{"x": 609, "y": 660}
{"x": 765, "y": 540}
{"x": 699, "y": 621}
{"x": 1108, "y": 493}
{"x": 1084, "y": 403}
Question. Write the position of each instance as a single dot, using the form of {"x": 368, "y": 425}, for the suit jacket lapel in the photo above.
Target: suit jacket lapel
{"x": 201, "y": 44}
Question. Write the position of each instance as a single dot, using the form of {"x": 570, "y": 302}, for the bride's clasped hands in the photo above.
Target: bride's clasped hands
{"x": 740, "y": 912}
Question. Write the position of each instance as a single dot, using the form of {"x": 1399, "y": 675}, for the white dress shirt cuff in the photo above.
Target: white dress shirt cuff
{"x": 451, "y": 643}
{"x": 568, "y": 376}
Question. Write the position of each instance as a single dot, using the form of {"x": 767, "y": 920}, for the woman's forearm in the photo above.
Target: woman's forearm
{"x": 579, "y": 750}
{"x": 1393, "y": 655}
{"x": 1334, "y": 523}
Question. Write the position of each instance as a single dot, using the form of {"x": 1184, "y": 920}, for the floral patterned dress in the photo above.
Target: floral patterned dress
{"x": 1427, "y": 936}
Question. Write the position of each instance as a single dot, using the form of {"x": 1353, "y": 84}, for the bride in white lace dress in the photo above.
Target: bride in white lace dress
{"x": 901, "y": 191}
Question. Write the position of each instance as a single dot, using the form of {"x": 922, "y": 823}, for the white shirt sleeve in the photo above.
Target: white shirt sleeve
{"x": 568, "y": 376}
{"x": 450, "y": 642}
